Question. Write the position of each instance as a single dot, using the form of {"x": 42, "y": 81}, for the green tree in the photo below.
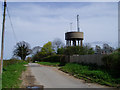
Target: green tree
{"x": 22, "y": 49}
{"x": 47, "y": 49}
{"x": 75, "y": 50}
{"x": 112, "y": 63}
{"x": 118, "y": 50}
{"x": 91, "y": 51}
{"x": 61, "y": 50}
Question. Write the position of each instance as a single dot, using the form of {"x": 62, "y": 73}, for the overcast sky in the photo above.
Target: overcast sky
{"x": 38, "y": 23}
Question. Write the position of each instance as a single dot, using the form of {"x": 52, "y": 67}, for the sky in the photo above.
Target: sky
{"x": 40, "y": 22}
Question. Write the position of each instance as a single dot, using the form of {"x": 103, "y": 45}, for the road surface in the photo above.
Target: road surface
{"x": 51, "y": 77}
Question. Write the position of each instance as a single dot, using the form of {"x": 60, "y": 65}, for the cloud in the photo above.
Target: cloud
{"x": 37, "y": 23}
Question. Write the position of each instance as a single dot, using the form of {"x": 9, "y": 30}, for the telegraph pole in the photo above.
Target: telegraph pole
{"x": 2, "y": 43}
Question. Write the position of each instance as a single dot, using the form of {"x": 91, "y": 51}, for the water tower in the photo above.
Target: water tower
{"x": 74, "y": 38}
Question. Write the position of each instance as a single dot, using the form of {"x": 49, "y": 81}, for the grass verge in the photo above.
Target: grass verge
{"x": 91, "y": 74}
{"x": 11, "y": 75}
{"x": 49, "y": 63}
{"x": 0, "y": 81}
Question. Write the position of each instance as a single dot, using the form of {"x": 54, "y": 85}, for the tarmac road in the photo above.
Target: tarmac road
{"x": 51, "y": 77}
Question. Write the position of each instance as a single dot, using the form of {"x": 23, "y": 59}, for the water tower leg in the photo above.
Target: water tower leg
{"x": 81, "y": 43}
{"x": 78, "y": 43}
{"x": 70, "y": 42}
{"x": 75, "y": 42}
{"x": 66, "y": 42}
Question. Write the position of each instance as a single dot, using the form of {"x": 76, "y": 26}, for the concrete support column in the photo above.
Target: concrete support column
{"x": 75, "y": 42}
{"x": 67, "y": 43}
{"x": 81, "y": 43}
{"x": 70, "y": 42}
{"x": 78, "y": 43}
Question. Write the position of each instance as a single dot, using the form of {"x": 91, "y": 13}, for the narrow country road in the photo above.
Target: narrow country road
{"x": 51, "y": 77}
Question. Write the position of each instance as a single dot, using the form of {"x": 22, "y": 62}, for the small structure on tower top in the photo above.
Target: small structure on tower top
{"x": 74, "y": 38}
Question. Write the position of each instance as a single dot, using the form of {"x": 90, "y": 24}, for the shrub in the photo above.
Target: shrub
{"x": 50, "y": 63}
{"x": 46, "y": 51}
{"x": 88, "y": 73}
{"x": 53, "y": 58}
{"x": 71, "y": 50}
{"x": 11, "y": 61}
{"x": 61, "y": 50}
{"x": 112, "y": 63}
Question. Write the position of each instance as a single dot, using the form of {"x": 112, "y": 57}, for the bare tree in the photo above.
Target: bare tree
{"x": 22, "y": 49}
{"x": 57, "y": 43}
{"x": 88, "y": 45}
{"x": 36, "y": 49}
{"x": 98, "y": 49}
{"x": 107, "y": 49}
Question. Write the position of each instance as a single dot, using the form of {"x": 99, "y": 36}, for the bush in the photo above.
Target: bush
{"x": 53, "y": 58}
{"x": 75, "y": 50}
{"x": 112, "y": 63}
{"x": 39, "y": 56}
{"x": 61, "y": 50}
{"x": 46, "y": 51}
{"x": 88, "y": 73}
{"x": 49, "y": 63}
{"x": 11, "y": 61}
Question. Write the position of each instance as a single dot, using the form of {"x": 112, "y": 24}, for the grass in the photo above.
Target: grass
{"x": 11, "y": 75}
{"x": 0, "y": 81}
{"x": 49, "y": 63}
{"x": 91, "y": 74}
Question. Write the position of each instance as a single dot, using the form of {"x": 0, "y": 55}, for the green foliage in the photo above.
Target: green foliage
{"x": 46, "y": 51}
{"x": 91, "y": 51}
{"x": 48, "y": 54}
{"x": 0, "y": 81}
{"x": 90, "y": 74}
{"x": 112, "y": 63}
{"x": 11, "y": 74}
{"x": 28, "y": 59}
{"x": 118, "y": 49}
{"x": 60, "y": 50}
{"x": 75, "y": 50}
{"x": 53, "y": 58}
{"x": 11, "y": 61}
{"x": 50, "y": 63}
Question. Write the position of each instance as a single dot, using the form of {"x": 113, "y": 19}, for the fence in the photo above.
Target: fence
{"x": 87, "y": 59}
